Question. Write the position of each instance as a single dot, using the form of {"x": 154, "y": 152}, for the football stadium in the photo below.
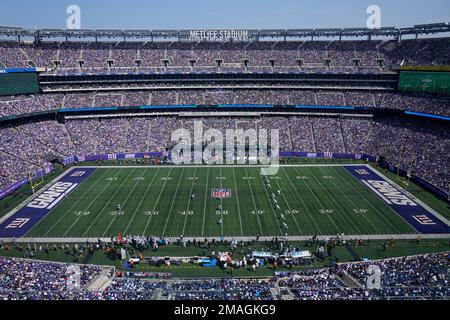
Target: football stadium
{"x": 224, "y": 163}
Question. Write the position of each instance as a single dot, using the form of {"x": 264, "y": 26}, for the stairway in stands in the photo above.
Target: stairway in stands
{"x": 101, "y": 282}
{"x": 344, "y": 147}
{"x": 313, "y": 136}
{"x": 149, "y": 137}
{"x": 64, "y": 129}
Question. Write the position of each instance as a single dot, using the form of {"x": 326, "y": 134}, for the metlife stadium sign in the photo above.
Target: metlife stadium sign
{"x": 218, "y": 35}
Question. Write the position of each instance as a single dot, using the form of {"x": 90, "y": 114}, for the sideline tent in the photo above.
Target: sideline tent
{"x": 261, "y": 254}
{"x": 301, "y": 254}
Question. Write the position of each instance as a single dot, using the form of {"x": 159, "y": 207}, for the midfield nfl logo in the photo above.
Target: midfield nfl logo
{"x": 221, "y": 193}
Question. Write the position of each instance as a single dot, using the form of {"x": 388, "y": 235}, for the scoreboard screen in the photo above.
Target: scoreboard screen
{"x": 424, "y": 81}
{"x": 18, "y": 83}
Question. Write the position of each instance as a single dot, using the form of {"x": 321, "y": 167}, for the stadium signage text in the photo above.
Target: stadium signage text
{"x": 218, "y": 35}
{"x": 420, "y": 217}
{"x": 50, "y": 197}
{"x": 389, "y": 193}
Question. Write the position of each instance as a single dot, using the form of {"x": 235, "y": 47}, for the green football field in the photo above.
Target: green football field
{"x": 174, "y": 201}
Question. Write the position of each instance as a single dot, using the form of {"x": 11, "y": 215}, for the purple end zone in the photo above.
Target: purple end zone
{"x": 416, "y": 215}
{"x": 24, "y": 219}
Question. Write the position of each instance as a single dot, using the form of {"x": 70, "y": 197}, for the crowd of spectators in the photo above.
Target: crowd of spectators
{"x": 223, "y": 289}
{"x": 37, "y": 280}
{"x": 418, "y": 102}
{"x": 414, "y": 277}
{"x": 420, "y": 146}
{"x": 409, "y": 277}
{"x": 264, "y": 56}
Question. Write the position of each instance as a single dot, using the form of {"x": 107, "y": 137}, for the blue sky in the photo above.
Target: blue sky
{"x": 205, "y": 14}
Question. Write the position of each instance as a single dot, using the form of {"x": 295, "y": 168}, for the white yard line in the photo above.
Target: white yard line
{"x": 140, "y": 202}
{"x": 368, "y": 202}
{"x": 126, "y": 199}
{"x": 396, "y": 236}
{"x": 254, "y": 203}
{"x": 336, "y": 203}
{"x": 318, "y": 201}
{"x": 173, "y": 201}
{"x": 354, "y": 206}
{"x": 91, "y": 203}
{"x": 204, "y": 204}
{"x": 289, "y": 207}
{"x": 304, "y": 204}
{"x": 221, "y": 202}
{"x": 237, "y": 201}
{"x": 103, "y": 208}
{"x": 189, "y": 201}
{"x": 270, "y": 205}
{"x": 157, "y": 201}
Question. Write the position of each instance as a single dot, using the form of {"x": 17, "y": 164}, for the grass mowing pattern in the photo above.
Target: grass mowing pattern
{"x": 322, "y": 200}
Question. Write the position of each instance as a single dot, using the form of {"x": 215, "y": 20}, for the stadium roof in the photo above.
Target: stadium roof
{"x": 39, "y": 34}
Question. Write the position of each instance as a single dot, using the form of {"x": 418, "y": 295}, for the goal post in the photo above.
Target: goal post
{"x": 35, "y": 180}
{"x": 399, "y": 163}
{"x": 410, "y": 169}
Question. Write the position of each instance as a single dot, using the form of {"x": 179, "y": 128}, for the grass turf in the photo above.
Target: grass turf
{"x": 321, "y": 200}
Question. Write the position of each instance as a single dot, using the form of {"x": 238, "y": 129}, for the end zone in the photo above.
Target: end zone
{"x": 18, "y": 224}
{"x": 423, "y": 219}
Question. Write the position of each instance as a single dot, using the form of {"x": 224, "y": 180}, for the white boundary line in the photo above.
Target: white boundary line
{"x": 34, "y": 195}
{"x": 249, "y": 238}
{"x": 417, "y": 200}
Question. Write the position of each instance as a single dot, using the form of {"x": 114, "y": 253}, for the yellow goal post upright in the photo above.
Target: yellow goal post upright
{"x": 399, "y": 163}
{"x": 410, "y": 169}
{"x": 35, "y": 179}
